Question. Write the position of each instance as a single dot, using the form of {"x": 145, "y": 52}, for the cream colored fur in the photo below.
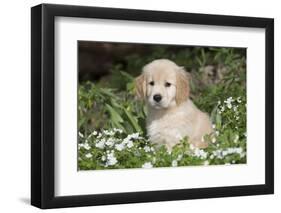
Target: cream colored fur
{"x": 175, "y": 116}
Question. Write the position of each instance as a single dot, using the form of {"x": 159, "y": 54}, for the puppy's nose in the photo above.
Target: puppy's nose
{"x": 157, "y": 98}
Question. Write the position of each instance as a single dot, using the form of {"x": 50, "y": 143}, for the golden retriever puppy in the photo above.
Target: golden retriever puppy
{"x": 171, "y": 114}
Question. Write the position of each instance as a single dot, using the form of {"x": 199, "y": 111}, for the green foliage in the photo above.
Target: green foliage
{"x": 111, "y": 120}
{"x": 103, "y": 107}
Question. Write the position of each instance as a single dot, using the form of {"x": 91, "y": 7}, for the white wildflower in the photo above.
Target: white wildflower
{"x": 239, "y": 150}
{"x": 128, "y": 140}
{"x": 229, "y": 151}
{"x": 236, "y": 138}
{"x": 120, "y": 146}
{"x": 130, "y": 144}
{"x": 217, "y": 153}
{"x": 103, "y": 158}
{"x": 214, "y": 126}
{"x": 225, "y": 152}
{"x": 84, "y": 145}
{"x": 229, "y": 106}
{"x": 80, "y": 145}
{"x": 217, "y": 133}
{"x": 89, "y": 155}
{"x": 99, "y": 135}
{"x": 134, "y": 135}
{"x": 109, "y": 133}
{"x": 110, "y": 142}
{"x": 100, "y": 144}
{"x": 118, "y": 130}
{"x": 147, "y": 165}
{"x": 131, "y": 136}
{"x": 243, "y": 154}
{"x": 239, "y": 100}
{"x": 229, "y": 102}
{"x": 80, "y": 135}
{"x": 191, "y": 146}
{"x": 146, "y": 149}
{"x": 94, "y": 133}
{"x": 200, "y": 153}
{"x": 111, "y": 159}
{"x": 214, "y": 140}
{"x": 87, "y": 146}
{"x": 206, "y": 163}
{"x": 105, "y": 131}
{"x": 179, "y": 157}
{"x": 174, "y": 163}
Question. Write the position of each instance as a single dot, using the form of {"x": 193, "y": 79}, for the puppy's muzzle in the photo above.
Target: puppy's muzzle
{"x": 157, "y": 98}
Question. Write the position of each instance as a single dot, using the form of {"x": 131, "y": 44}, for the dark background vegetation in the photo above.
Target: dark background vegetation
{"x": 98, "y": 59}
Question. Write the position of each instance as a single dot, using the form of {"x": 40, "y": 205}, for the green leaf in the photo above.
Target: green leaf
{"x": 133, "y": 121}
{"x": 218, "y": 120}
{"x": 127, "y": 75}
{"x": 115, "y": 116}
{"x": 214, "y": 114}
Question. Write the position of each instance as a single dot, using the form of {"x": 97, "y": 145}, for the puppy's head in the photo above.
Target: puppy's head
{"x": 163, "y": 84}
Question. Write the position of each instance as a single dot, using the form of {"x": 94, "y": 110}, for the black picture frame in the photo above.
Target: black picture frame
{"x": 43, "y": 102}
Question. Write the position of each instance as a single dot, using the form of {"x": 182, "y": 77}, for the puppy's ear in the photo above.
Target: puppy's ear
{"x": 182, "y": 86}
{"x": 140, "y": 83}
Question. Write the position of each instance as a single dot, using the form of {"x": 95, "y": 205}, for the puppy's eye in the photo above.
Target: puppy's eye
{"x": 167, "y": 84}
{"x": 151, "y": 83}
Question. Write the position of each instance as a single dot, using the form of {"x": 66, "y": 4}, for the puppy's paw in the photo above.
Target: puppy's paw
{"x": 199, "y": 144}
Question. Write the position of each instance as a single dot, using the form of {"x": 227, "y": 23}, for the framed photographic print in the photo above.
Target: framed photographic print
{"x": 138, "y": 106}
